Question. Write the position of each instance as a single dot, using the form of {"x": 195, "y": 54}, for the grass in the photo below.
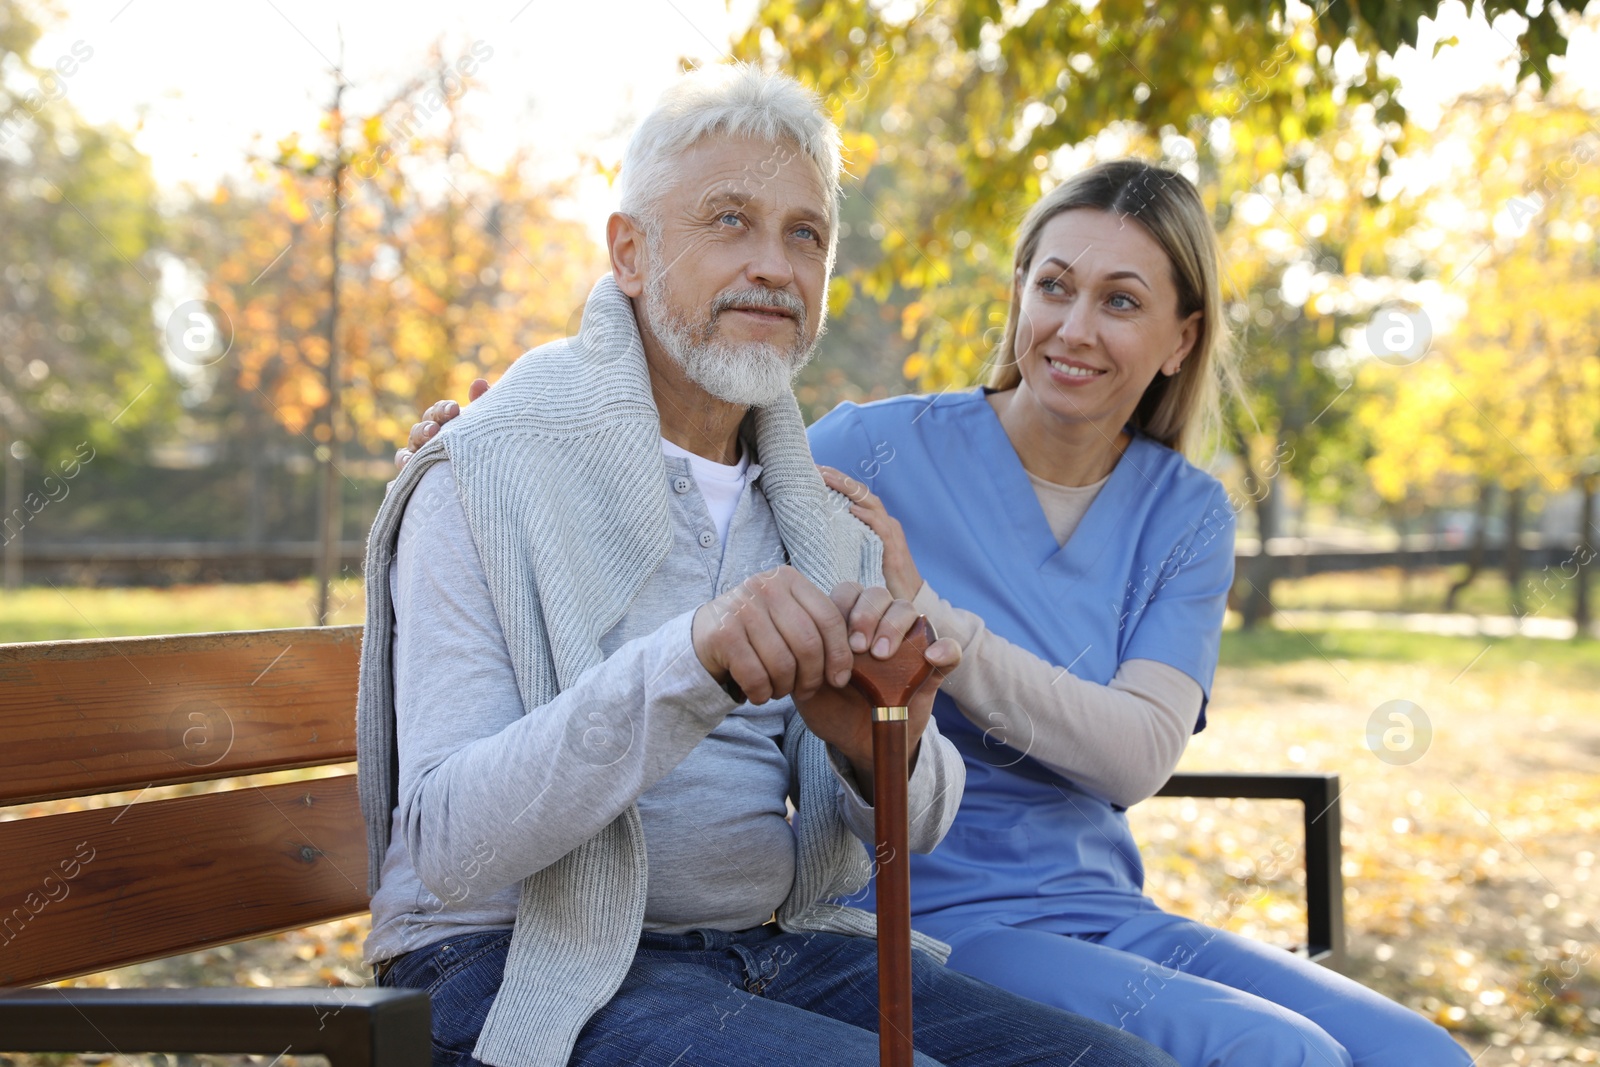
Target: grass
{"x": 1577, "y": 662}
{"x": 1545, "y": 593}
{"x": 52, "y": 614}
{"x": 45, "y": 613}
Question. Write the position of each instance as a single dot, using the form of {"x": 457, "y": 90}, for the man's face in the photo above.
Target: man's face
{"x": 736, "y": 278}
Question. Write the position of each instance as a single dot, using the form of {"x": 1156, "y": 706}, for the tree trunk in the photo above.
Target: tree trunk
{"x": 331, "y": 514}
{"x": 255, "y": 484}
{"x": 1259, "y": 571}
{"x": 1397, "y": 519}
{"x": 1513, "y": 550}
{"x": 1480, "y": 544}
{"x": 1582, "y": 612}
{"x": 13, "y": 551}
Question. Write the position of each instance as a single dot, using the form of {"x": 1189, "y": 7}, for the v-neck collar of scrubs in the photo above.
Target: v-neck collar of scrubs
{"x": 1009, "y": 492}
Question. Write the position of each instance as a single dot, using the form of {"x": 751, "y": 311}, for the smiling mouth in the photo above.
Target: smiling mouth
{"x": 1072, "y": 370}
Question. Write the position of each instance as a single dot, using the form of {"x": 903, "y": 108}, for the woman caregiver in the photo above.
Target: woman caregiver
{"x": 1050, "y": 523}
{"x": 1084, "y": 565}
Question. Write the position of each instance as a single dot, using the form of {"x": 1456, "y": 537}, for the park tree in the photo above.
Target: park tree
{"x": 1306, "y": 259}
{"x": 1509, "y": 398}
{"x": 421, "y": 272}
{"x": 82, "y": 373}
{"x": 961, "y": 114}
{"x": 958, "y": 116}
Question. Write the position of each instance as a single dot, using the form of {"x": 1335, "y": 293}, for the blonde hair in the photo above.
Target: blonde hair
{"x": 1185, "y": 409}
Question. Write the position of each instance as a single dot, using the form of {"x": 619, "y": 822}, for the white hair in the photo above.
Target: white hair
{"x": 732, "y": 100}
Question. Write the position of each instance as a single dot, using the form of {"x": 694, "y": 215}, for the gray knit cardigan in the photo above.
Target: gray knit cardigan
{"x": 561, "y": 477}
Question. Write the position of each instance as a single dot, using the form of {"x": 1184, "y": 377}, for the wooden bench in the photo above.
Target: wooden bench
{"x": 89, "y": 890}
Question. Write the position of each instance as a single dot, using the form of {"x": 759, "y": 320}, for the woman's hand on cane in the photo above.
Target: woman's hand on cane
{"x": 842, "y": 716}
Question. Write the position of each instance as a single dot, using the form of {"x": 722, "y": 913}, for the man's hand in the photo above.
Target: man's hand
{"x": 776, "y": 635}
{"x": 434, "y": 418}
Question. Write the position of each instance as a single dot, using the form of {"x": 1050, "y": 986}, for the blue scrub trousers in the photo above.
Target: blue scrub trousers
{"x": 1207, "y": 996}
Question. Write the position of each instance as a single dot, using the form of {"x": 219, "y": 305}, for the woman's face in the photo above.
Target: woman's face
{"x": 1098, "y": 318}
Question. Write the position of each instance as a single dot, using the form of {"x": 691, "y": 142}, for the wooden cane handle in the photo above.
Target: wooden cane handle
{"x": 889, "y": 683}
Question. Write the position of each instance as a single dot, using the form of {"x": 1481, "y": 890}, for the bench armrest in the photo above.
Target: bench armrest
{"x": 354, "y": 1027}
{"x": 1319, "y": 793}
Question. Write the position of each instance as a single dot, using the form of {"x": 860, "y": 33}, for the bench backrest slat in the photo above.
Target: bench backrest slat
{"x": 86, "y": 717}
{"x": 84, "y": 891}
{"x": 90, "y": 890}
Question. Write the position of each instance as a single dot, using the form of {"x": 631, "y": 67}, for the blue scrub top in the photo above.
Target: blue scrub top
{"x": 1144, "y": 576}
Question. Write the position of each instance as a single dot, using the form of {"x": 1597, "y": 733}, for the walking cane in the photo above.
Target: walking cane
{"x": 889, "y": 683}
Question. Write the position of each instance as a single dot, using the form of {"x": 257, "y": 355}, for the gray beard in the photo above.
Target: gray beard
{"x": 750, "y": 375}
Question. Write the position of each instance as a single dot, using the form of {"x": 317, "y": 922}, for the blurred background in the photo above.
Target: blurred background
{"x": 243, "y": 245}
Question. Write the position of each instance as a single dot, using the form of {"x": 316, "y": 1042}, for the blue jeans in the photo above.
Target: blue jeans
{"x": 1207, "y": 996}
{"x": 765, "y": 998}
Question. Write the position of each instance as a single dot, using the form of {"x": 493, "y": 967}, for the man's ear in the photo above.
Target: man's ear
{"x": 625, "y": 240}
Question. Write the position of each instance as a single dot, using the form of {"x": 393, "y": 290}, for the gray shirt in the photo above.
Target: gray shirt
{"x": 712, "y": 795}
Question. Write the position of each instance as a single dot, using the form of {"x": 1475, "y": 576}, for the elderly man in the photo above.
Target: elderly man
{"x": 599, "y": 663}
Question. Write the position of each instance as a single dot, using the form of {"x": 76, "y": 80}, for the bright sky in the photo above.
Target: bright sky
{"x": 199, "y": 78}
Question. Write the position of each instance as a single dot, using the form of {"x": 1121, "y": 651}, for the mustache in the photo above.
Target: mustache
{"x": 770, "y": 298}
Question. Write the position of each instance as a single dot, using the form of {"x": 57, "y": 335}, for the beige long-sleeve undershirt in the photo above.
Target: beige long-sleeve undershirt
{"x": 1120, "y": 741}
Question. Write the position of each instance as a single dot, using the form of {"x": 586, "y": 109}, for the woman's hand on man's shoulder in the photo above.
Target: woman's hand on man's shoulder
{"x": 433, "y": 420}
